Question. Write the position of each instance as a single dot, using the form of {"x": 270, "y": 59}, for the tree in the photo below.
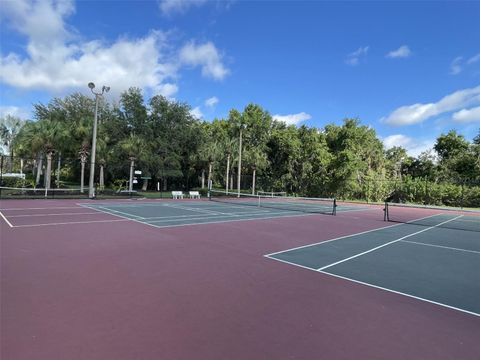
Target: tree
{"x": 9, "y": 129}
{"x": 257, "y": 159}
{"x": 51, "y": 134}
{"x": 449, "y": 145}
{"x": 133, "y": 147}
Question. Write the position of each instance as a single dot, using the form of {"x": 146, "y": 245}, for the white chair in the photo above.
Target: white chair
{"x": 194, "y": 194}
{"x": 177, "y": 195}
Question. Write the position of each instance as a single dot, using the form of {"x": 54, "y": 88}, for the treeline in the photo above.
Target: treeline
{"x": 171, "y": 147}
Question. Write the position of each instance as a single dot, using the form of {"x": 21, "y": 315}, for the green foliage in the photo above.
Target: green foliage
{"x": 167, "y": 143}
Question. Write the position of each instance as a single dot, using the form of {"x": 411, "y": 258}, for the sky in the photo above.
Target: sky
{"x": 410, "y": 70}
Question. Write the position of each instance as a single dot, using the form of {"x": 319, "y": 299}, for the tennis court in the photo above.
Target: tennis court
{"x": 183, "y": 279}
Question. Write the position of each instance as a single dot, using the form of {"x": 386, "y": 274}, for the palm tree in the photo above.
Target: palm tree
{"x": 133, "y": 146}
{"x": 52, "y": 135}
{"x": 28, "y": 138}
{"x": 257, "y": 160}
{"x": 230, "y": 147}
{"x": 9, "y": 129}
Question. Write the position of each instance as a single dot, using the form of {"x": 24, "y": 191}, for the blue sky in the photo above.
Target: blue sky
{"x": 411, "y": 70}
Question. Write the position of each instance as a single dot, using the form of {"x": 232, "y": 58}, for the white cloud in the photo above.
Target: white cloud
{"x": 168, "y": 7}
{"x": 167, "y": 90}
{"x": 413, "y": 146}
{"x": 402, "y": 52}
{"x": 211, "y": 102}
{"x": 417, "y": 113}
{"x": 14, "y": 111}
{"x": 474, "y": 59}
{"x": 58, "y": 60}
{"x": 196, "y": 112}
{"x": 456, "y": 66}
{"x": 292, "y": 119}
{"x": 355, "y": 57}
{"x": 467, "y": 115}
{"x": 204, "y": 55}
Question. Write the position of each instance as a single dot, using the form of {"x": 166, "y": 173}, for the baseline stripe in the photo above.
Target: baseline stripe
{"x": 441, "y": 246}
{"x": 4, "y": 218}
{"x": 386, "y": 244}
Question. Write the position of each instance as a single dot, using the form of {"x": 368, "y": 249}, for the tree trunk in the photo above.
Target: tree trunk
{"x": 253, "y": 181}
{"x": 102, "y": 179}
{"x": 21, "y": 166}
{"x": 49, "y": 170}
{"x": 165, "y": 184}
{"x": 228, "y": 170}
{"x": 130, "y": 184}
{"x": 209, "y": 174}
{"x": 145, "y": 185}
{"x": 39, "y": 170}
{"x": 82, "y": 173}
{"x": 203, "y": 178}
{"x": 59, "y": 162}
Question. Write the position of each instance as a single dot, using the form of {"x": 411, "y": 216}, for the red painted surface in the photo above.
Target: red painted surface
{"x": 125, "y": 290}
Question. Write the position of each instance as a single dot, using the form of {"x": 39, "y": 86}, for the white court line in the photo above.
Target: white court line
{"x": 128, "y": 215}
{"x": 63, "y": 214}
{"x": 200, "y": 217}
{"x": 99, "y": 208}
{"x": 205, "y": 211}
{"x": 401, "y": 293}
{"x": 343, "y": 237}
{"x": 44, "y": 208}
{"x": 441, "y": 246}
{"x": 386, "y": 244}
{"x": 235, "y": 220}
{"x": 123, "y": 218}
{"x": 4, "y": 218}
{"x": 72, "y": 223}
{"x": 376, "y": 287}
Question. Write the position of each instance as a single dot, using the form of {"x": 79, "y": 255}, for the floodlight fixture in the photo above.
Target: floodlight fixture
{"x": 91, "y": 85}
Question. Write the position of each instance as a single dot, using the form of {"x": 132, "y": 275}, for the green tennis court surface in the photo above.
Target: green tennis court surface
{"x": 435, "y": 259}
{"x": 181, "y": 213}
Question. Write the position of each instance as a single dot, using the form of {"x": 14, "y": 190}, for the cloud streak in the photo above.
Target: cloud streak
{"x": 211, "y": 102}
{"x": 402, "y": 52}
{"x": 467, "y": 115}
{"x": 355, "y": 57}
{"x": 169, "y": 7}
{"x": 57, "y": 59}
{"x": 413, "y": 146}
{"x": 292, "y": 119}
{"x": 207, "y": 57}
{"x": 418, "y": 113}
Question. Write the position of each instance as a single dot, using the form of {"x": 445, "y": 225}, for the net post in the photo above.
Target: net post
{"x": 334, "y": 212}
{"x": 385, "y": 212}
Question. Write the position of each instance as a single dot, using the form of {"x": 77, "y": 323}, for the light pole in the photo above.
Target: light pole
{"x": 239, "y": 175}
{"x": 91, "y": 85}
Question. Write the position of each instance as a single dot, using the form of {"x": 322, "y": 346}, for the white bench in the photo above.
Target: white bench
{"x": 194, "y": 194}
{"x": 177, "y": 194}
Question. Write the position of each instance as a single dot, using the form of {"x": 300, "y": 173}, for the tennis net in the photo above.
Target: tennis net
{"x": 432, "y": 216}
{"x": 39, "y": 193}
{"x": 288, "y": 203}
{"x": 271, "y": 193}
{"x": 65, "y": 193}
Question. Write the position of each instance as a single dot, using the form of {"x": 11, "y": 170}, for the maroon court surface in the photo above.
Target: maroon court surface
{"x": 85, "y": 285}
